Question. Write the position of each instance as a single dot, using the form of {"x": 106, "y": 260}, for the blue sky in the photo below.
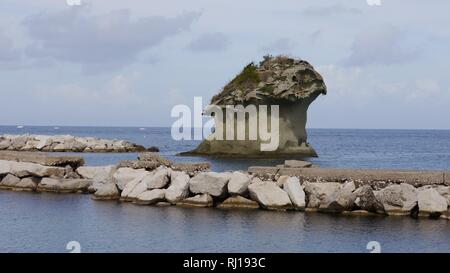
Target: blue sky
{"x": 127, "y": 63}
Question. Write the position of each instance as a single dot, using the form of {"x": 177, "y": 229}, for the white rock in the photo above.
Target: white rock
{"x": 123, "y": 176}
{"x": 340, "y": 200}
{"x": 157, "y": 179}
{"x": 318, "y": 193}
{"x": 281, "y": 180}
{"x": 269, "y": 195}
{"x": 295, "y": 192}
{"x": 63, "y": 185}
{"x": 149, "y": 197}
{"x": 200, "y": 200}
{"x": 96, "y": 174}
{"x": 107, "y": 191}
{"x": 398, "y": 199}
{"x": 238, "y": 183}
{"x": 211, "y": 183}
{"x": 24, "y": 169}
{"x": 179, "y": 187}
{"x": 297, "y": 164}
{"x": 130, "y": 187}
{"x": 431, "y": 202}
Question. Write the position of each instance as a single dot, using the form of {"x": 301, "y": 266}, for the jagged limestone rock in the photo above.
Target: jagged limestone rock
{"x": 290, "y": 83}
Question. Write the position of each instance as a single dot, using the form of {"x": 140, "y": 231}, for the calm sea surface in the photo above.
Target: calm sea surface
{"x": 46, "y": 222}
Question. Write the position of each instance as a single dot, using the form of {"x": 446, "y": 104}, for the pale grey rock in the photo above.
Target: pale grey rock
{"x": 24, "y": 169}
{"x": 149, "y": 197}
{"x": 211, "y": 183}
{"x": 398, "y": 199}
{"x": 9, "y": 181}
{"x": 200, "y": 201}
{"x": 64, "y": 185}
{"x": 125, "y": 175}
{"x": 281, "y": 180}
{"x": 269, "y": 196}
{"x": 157, "y": 179}
{"x": 137, "y": 190}
{"x": 297, "y": 164}
{"x": 107, "y": 191}
{"x": 179, "y": 187}
{"x": 238, "y": 202}
{"x": 130, "y": 187}
{"x": 319, "y": 193}
{"x": 295, "y": 192}
{"x": 431, "y": 203}
{"x": 366, "y": 200}
{"x": 238, "y": 184}
{"x": 340, "y": 200}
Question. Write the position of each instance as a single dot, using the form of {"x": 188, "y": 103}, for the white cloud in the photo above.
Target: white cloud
{"x": 381, "y": 45}
{"x": 210, "y": 42}
{"x": 99, "y": 42}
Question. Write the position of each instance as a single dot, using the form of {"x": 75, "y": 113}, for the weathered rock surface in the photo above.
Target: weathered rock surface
{"x": 63, "y": 185}
{"x": 365, "y": 199}
{"x": 12, "y": 182}
{"x": 295, "y": 192}
{"x": 297, "y": 164}
{"x": 130, "y": 187}
{"x": 123, "y": 176}
{"x": 292, "y": 84}
{"x": 65, "y": 143}
{"x": 211, "y": 183}
{"x": 238, "y": 183}
{"x": 44, "y": 159}
{"x": 200, "y": 201}
{"x": 150, "y": 197}
{"x": 340, "y": 200}
{"x": 192, "y": 168}
{"x": 431, "y": 203}
{"x": 138, "y": 164}
{"x": 157, "y": 179}
{"x": 179, "y": 187}
{"x": 398, "y": 199}
{"x": 319, "y": 193}
{"x": 155, "y": 158}
{"x": 24, "y": 169}
{"x": 107, "y": 191}
{"x": 238, "y": 202}
{"x": 269, "y": 196}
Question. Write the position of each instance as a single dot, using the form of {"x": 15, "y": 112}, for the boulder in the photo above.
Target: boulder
{"x": 25, "y": 169}
{"x": 211, "y": 183}
{"x": 63, "y": 185}
{"x": 319, "y": 193}
{"x": 130, "y": 187}
{"x": 96, "y": 174}
{"x": 155, "y": 158}
{"x": 238, "y": 202}
{"x": 269, "y": 196}
{"x": 157, "y": 179}
{"x": 238, "y": 184}
{"x": 107, "y": 191}
{"x": 9, "y": 181}
{"x": 297, "y": 164}
{"x": 12, "y": 182}
{"x": 125, "y": 175}
{"x": 398, "y": 199}
{"x": 42, "y": 158}
{"x": 200, "y": 201}
{"x": 340, "y": 200}
{"x": 137, "y": 190}
{"x": 365, "y": 199}
{"x": 150, "y": 197}
{"x": 179, "y": 187}
{"x": 282, "y": 179}
{"x": 431, "y": 203}
{"x": 295, "y": 192}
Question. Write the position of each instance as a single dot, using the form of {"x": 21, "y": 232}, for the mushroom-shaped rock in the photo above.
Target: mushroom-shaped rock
{"x": 288, "y": 83}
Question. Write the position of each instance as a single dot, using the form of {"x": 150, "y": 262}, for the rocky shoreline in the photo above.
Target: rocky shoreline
{"x": 294, "y": 186}
{"x": 68, "y": 143}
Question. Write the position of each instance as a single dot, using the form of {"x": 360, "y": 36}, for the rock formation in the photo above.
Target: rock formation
{"x": 289, "y": 83}
{"x": 68, "y": 143}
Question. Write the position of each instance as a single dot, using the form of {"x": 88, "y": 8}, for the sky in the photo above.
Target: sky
{"x": 127, "y": 63}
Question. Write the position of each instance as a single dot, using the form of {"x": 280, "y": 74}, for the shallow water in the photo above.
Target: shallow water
{"x": 32, "y": 222}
